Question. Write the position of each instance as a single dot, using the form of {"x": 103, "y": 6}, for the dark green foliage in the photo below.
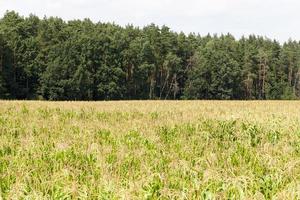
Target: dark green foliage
{"x": 80, "y": 60}
{"x": 217, "y": 73}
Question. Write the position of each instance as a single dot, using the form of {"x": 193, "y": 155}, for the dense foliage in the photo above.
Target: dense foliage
{"x": 81, "y": 60}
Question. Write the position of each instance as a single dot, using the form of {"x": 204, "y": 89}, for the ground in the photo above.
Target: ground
{"x": 150, "y": 150}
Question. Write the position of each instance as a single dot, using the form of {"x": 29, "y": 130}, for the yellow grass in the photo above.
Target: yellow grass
{"x": 150, "y": 150}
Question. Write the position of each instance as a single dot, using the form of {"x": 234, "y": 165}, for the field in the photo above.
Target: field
{"x": 150, "y": 150}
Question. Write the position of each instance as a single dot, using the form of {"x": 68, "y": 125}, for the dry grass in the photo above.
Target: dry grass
{"x": 150, "y": 150}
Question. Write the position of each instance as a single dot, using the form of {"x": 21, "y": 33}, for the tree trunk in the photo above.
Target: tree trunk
{"x": 262, "y": 78}
{"x": 165, "y": 82}
{"x": 248, "y": 84}
{"x": 152, "y": 85}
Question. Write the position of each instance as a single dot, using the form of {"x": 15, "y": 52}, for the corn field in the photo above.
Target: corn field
{"x": 150, "y": 150}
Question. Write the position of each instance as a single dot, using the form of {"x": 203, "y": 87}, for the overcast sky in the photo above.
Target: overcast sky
{"x": 276, "y": 19}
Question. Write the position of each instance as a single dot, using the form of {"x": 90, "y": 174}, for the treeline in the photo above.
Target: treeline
{"x": 80, "y": 60}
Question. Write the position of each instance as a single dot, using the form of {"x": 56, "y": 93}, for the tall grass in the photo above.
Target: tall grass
{"x": 150, "y": 150}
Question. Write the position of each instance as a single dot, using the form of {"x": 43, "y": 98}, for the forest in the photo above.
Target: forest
{"x": 53, "y": 59}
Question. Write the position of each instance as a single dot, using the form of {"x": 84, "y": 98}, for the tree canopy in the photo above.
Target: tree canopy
{"x": 52, "y": 59}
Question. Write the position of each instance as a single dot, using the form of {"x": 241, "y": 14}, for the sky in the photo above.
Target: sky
{"x": 275, "y": 19}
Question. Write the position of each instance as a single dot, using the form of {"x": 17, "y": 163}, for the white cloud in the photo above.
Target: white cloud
{"x": 273, "y": 18}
